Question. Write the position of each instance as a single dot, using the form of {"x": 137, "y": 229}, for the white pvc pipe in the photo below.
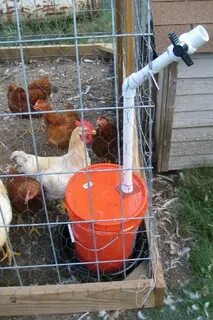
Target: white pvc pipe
{"x": 194, "y": 39}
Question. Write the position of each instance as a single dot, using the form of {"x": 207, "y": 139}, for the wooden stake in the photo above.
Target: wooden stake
{"x": 129, "y": 28}
{"x": 119, "y": 14}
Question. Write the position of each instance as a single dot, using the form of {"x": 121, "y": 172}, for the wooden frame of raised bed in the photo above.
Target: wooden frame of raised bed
{"x": 139, "y": 289}
{"x": 56, "y": 299}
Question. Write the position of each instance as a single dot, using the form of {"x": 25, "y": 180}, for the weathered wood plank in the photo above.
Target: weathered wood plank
{"x": 129, "y": 27}
{"x": 202, "y": 68}
{"x": 194, "y": 102}
{"x": 195, "y": 86}
{"x": 119, "y": 43}
{"x": 141, "y": 270}
{"x": 160, "y": 115}
{"x": 192, "y": 134}
{"x": 191, "y": 148}
{"x": 169, "y": 115}
{"x": 53, "y": 51}
{"x": 182, "y": 162}
{"x": 158, "y": 276}
{"x": 193, "y": 119}
{"x": 57, "y": 299}
{"x": 106, "y": 47}
{"x": 156, "y": 267}
{"x": 197, "y": 12}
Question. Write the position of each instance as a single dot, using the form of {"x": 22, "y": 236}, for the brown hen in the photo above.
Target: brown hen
{"x": 24, "y": 193}
{"x": 104, "y": 143}
{"x": 59, "y": 125}
{"x": 37, "y": 89}
{"x": 25, "y": 196}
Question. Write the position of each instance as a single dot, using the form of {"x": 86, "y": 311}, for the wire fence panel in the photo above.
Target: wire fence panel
{"x": 70, "y": 118}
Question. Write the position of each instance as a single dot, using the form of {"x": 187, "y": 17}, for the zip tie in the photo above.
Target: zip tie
{"x": 154, "y": 80}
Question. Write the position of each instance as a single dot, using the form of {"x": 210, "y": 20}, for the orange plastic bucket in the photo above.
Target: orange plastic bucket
{"x": 100, "y": 200}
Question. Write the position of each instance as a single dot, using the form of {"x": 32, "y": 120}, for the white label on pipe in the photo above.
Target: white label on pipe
{"x": 88, "y": 185}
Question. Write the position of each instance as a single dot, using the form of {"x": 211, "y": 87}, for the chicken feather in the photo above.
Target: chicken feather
{"x": 58, "y": 126}
{"x": 6, "y": 216}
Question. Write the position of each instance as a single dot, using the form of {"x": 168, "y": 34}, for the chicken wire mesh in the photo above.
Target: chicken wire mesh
{"x": 83, "y": 96}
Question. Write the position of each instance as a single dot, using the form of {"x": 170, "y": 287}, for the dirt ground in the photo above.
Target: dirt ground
{"x": 97, "y": 84}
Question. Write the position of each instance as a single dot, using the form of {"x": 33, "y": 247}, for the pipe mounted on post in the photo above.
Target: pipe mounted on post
{"x": 181, "y": 48}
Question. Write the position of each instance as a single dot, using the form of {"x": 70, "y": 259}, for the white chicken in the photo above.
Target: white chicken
{"x": 56, "y": 171}
{"x": 5, "y": 219}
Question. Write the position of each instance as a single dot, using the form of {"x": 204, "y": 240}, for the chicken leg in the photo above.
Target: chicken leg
{"x": 34, "y": 229}
{"x": 20, "y": 221}
{"x": 36, "y": 131}
{"x": 8, "y": 253}
{"x": 61, "y": 207}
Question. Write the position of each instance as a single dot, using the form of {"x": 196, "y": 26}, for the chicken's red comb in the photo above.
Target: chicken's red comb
{"x": 84, "y": 123}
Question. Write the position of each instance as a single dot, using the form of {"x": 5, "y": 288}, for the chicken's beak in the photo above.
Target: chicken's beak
{"x": 94, "y": 132}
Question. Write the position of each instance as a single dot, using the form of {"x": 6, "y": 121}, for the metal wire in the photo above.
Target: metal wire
{"x": 32, "y": 130}
{"x": 41, "y": 261}
{"x": 82, "y": 118}
{"x": 79, "y": 109}
{"x": 85, "y": 37}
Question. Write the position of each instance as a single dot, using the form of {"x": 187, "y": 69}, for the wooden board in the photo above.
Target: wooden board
{"x": 194, "y": 86}
{"x": 195, "y": 102}
{"x": 193, "y": 119}
{"x": 129, "y": 27}
{"x": 106, "y": 47}
{"x": 169, "y": 115}
{"x": 192, "y": 134}
{"x": 160, "y": 115}
{"x": 54, "y": 51}
{"x": 202, "y": 67}
{"x": 183, "y": 162}
{"x": 58, "y": 299}
{"x": 156, "y": 266}
{"x": 191, "y": 148}
{"x": 165, "y": 116}
{"x": 119, "y": 43}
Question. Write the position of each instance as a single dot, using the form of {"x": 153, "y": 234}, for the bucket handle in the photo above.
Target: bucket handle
{"x": 95, "y": 250}
{"x": 71, "y": 233}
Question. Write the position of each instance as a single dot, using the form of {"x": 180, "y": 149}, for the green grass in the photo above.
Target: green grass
{"x": 195, "y": 211}
{"x": 60, "y": 27}
{"x": 196, "y": 215}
